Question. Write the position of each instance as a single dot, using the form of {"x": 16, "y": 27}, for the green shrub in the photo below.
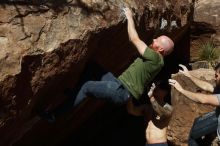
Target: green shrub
{"x": 208, "y": 51}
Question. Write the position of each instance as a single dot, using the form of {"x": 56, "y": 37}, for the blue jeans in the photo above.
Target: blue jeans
{"x": 203, "y": 125}
{"x": 157, "y": 144}
{"x": 109, "y": 89}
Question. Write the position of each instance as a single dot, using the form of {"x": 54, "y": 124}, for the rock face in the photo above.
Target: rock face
{"x": 206, "y": 26}
{"x": 186, "y": 110}
{"x": 207, "y": 11}
{"x": 45, "y": 47}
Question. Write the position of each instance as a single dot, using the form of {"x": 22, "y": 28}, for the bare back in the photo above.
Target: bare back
{"x": 156, "y": 131}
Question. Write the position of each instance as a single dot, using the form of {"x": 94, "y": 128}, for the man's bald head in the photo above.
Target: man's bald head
{"x": 166, "y": 43}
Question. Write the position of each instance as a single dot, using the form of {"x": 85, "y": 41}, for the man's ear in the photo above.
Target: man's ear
{"x": 161, "y": 50}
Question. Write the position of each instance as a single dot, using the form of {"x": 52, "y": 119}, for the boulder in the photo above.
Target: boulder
{"x": 46, "y": 46}
{"x": 186, "y": 110}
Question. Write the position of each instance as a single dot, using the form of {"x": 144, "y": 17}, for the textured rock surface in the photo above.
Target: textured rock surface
{"x": 206, "y": 27}
{"x": 44, "y": 48}
{"x": 185, "y": 109}
{"x": 207, "y": 11}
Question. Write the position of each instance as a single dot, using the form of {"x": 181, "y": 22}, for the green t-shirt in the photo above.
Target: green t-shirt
{"x": 141, "y": 72}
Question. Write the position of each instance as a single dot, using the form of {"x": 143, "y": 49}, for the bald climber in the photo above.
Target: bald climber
{"x": 134, "y": 80}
